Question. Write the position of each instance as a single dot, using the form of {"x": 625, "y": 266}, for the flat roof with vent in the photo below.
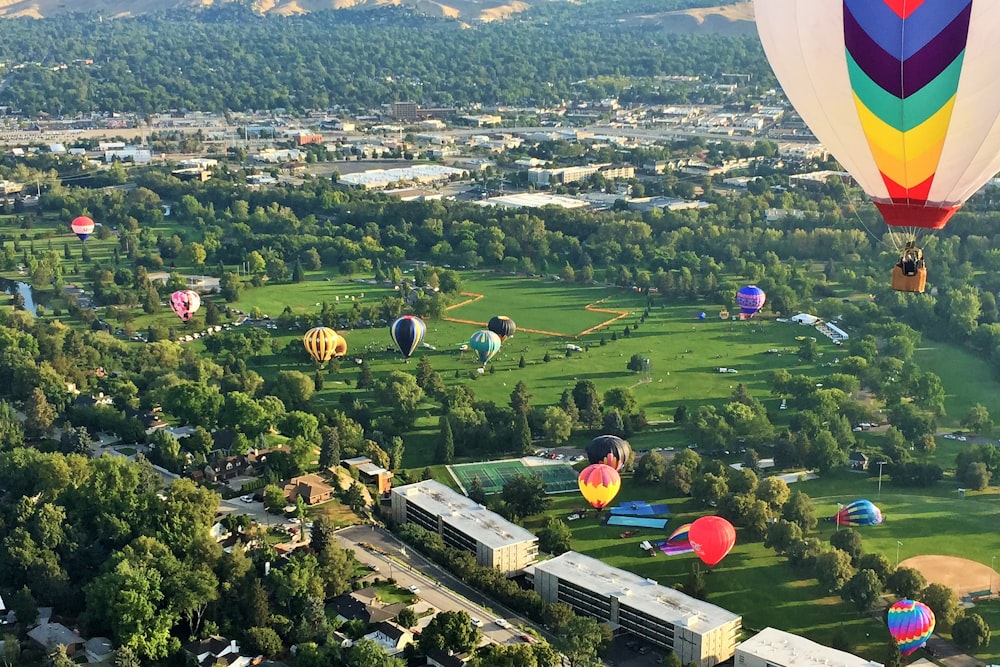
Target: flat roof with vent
{"x": 463, "y": 514}
{"x": 637, "y": 592}
{"x": 783, "y": 648}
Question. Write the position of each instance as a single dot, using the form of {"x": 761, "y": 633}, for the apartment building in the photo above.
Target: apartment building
{"x": 777, "y": 648}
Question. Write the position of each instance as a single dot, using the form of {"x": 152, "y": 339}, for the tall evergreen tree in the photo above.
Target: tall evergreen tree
{"x": 522, "y": 434}
{"x": 446, "y": 444}
{"x": 329, "y": 449}
{"x": 476, "y": 491}
{"x": 298, "y": 273}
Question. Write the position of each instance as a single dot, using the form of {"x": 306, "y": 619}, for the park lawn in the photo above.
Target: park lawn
{"x": 333, "y": 509}
{"x": 391, "y": 593}
{"x": 967, "y": 379}
{"x": 990, "y": 611}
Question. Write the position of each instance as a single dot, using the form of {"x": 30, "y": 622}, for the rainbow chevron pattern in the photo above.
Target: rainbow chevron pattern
{"x": 904, "y": 60}
{"x": 910, "y": 624}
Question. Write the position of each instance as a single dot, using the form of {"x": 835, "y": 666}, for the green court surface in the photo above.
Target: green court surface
{"x": 494, "y": 474}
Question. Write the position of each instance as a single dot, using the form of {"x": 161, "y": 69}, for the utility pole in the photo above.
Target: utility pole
{"x": 880, "y": 464}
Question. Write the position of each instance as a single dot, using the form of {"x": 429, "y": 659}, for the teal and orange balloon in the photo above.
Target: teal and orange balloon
{"x": 599, "y": 484}
{"x": 485, "y": 344}
{"x": 910, "y": 624}
{"x": 407, "y": 333}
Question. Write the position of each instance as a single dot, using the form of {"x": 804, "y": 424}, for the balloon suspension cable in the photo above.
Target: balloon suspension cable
{"x": 895, "y": 244}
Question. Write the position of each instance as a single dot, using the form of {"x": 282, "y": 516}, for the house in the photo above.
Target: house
{"x": 216, "y": 650}
{"x": 311, "y": 488}
{"x": 364, "y": 605}
{"x": 390, "y": 636}
{"x": 439, "y": 658}
{"x": 228, "y": 468}
{"x": 150, "y": 419}
{"x": 99, "y": 649}
{"x": 376, "y": 475}
{"x": 51, "y": 635}
{"x": 857, "y": 461}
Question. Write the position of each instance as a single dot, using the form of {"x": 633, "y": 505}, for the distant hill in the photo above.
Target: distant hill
{"x": 731, "y": 19}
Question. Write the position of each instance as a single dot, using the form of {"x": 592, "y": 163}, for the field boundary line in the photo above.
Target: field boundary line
{"x": 619, "y": 314}
{"x": 455, "y": 477}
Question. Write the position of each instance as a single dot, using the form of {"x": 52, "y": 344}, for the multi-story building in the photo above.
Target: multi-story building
{"x": 695, "y": 630}
{"x": 465, "y": 524}
{"x": 776, "y": 648}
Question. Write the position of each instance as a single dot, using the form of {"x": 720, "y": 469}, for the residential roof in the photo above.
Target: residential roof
{"x": 390, "y": 630}
{"x": 372, "y": 469}
{"x": 99, "y": 645}
{"x": 642, "y": 594}
{"x": 51, "y": 635}
{"x": 446, "y": 659}
{"x": 783, "y": 648}
{"x": 464, "y": 514}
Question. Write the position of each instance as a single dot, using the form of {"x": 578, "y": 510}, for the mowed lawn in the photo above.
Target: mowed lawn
{"x": 967, "y": 379}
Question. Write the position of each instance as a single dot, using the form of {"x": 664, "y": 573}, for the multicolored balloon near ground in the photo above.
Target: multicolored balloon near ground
{"x": 407, "y": 333}
{"x": 679, "y": 542}
{"x": 609, "y": 450}
{"x": 859, "y": 513}
{"x": 82, "y": 227}
{"x": 904, "y": 94}
{"x": 711, "y": 537}
{"x": 185, "y": 303}
{"x": 750, "y": 299}
{"x": 502, "y": 326}
{"x": 323, "y": 344}
{"x": 485, "y": 344}
{"x": 599, "y": 484}
{"x": 910, "y": 624}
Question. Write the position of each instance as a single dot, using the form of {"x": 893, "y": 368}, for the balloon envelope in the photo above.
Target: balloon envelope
{"x": 711, "y": 538}
{"x": 904, "y": 94}
{"x": 599, "y": 484}
{"x": 407, "y": 333}
{"x": 185, "y": 304}
{"x": 323, "y": 344}
{"x": 910, "y": 624}
{"x": 678, "y": 542}
{"x": 502, "y": 326}
{"x": 485, "y": 344}
{"x": 82, "y": 227}
{"x": 750, "y": 299}
{"x": 859, "y": 513}
{"x": 609, "y": 450}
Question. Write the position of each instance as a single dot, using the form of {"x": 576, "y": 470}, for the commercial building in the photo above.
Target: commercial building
{"x": 776, "y": 648}
{"x": 695, "y": 630}
{"x": 465, "y": 524}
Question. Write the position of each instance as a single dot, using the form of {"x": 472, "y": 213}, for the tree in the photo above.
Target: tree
{"x": 11, "y": 430}
{"x": 799, "y": 509}
{"x": 264, "y": 641}
{"x": 274, "y": 498}
{"x": 329, "y": 448}
{"x": 862, "y": 589}
{"x": 445, "y": 452}
{"x": 366, "y": 653}
{"x": 11, "y": 650}
{"x": 877, "y": 563}
{"x": 449, "y": 631}
{"x": 651, "y": 467}
{"x": 25, "y": 607}
{"x": 521, "y": 439}
{"x": 400, "y": 392}
{"x": 695, "y": 585}
{"x": 774, "y": 492}
{"x": 39, "y": 415}
{"x": 781, "y": 535}
{"x": 848, "y": 540}
{"x": 833, "y": 569}
{"x": 581, "y": 639}
{"x": 556, "y": 615}
{"x": 978, "y": 420}
{"x": 75, "y": 440}
{"x": 407, "y": 618}
{"x": 944, "y": 603}
{"x": 557, "y": 425}
{"x": 971, "y": 632}
{"x": 477, "y": 492}
{"x": 524, "y": 496}
{"x": 555, "y": 537}
{"x": 905, "y": 582}
{"x": 977, "y": 476}
{"x": 355, "y": 497}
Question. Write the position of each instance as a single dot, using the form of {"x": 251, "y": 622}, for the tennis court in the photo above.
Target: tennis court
{"x": 493, "y": 475}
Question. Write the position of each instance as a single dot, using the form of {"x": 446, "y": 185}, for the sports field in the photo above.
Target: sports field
{"x": 494, "y": 474}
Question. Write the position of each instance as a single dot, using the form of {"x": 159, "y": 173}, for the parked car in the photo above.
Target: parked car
{"x": 476, "y": 622}
{"x": 246, "y": 499}
{"x": 413, "y": 589}
{"x": 502, "y": 623}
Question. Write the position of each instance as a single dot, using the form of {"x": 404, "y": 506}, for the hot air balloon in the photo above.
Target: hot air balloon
{"x": 723, "y": 314}
{"x": 82, "y": 227}
{"x": 323, "y": 344}
{"x": 904, "y": 94}
{"x": 485, "y": 344}
{"x": 599, "y": 484}
{"x": 185, "y": 304}
{"x": 711, "y": 537}
{"x": 678, "y": 542}
{"x": 502, "y": 326}
{"x": 750, "y": 299}
{"x": 407, "y": 333}
{"x": 910, "y": 624}
{"x": 609, "y": 450}
{"x": 859, "y": 513}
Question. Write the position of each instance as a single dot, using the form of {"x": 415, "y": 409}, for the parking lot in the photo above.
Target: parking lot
{"x": 627, "y": 651}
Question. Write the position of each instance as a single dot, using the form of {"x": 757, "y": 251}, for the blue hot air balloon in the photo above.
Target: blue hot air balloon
{"x": 485, "y": 344}
{"x": 859, "y": 513}
{"x": 750, "y": 299}
{"x": 407, "y": 333}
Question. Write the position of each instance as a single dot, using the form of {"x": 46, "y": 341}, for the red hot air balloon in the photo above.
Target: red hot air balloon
{"x": 711, "y": 537}
{"x": 185, "y": 303}
{"x": 82, "y": 227}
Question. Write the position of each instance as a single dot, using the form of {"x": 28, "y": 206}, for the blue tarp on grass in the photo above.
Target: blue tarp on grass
{"x": 636, "y": 522}
{"x": 639, "y": 508}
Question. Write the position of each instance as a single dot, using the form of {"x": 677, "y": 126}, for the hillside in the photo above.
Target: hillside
{"x": 732, "y": 19}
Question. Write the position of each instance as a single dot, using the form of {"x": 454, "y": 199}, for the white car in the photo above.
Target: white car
{"x": 502, "y": 623}
{"x": 246, "y": 499}
{"x": 476, "y": 622}
{"x": 413, "y": 589}
{"x": 560, "y": 457}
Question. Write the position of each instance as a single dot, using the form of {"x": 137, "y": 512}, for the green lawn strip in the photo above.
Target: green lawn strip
{"x": 966, "y": 377}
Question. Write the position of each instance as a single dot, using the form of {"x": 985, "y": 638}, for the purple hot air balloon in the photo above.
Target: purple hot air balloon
{"x": 750, "y": 299}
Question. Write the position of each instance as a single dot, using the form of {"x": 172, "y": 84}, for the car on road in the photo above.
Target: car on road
{"x": 502, "y": 623}
{"x": 476, "y": 622}
{"x": 413, "y": 589}
{"x": 373, "y": 568}
{"x": 246, "y": 499}
{"x": 294, "y": 519}
{"x": 525, "y": 637}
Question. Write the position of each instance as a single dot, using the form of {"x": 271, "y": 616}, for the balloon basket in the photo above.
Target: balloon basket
{"x": 913, "y": 283}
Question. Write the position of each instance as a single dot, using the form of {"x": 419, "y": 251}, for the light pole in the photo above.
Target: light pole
{"x": 898, "y": 544}
{"x": 880, "y": 464}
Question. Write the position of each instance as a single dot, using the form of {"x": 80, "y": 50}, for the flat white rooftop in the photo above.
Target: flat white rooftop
{"x": 463, "y": 513}
{"x": 788, "y": 650}
{"x": 532, "y": 200}
{"x": 642, "y": 594}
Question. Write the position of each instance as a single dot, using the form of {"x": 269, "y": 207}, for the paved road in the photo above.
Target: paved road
{"x": 437, "y": 587}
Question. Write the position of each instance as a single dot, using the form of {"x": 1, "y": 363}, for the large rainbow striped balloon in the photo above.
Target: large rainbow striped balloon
{"x": 904, "y": 93}
{"x": 910, "y": 624}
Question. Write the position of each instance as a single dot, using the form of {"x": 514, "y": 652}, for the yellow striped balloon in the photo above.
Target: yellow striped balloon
{"x": 323, "y": 344}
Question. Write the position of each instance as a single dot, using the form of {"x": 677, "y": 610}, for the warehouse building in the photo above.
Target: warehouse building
{"x": 776, "y": 648}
